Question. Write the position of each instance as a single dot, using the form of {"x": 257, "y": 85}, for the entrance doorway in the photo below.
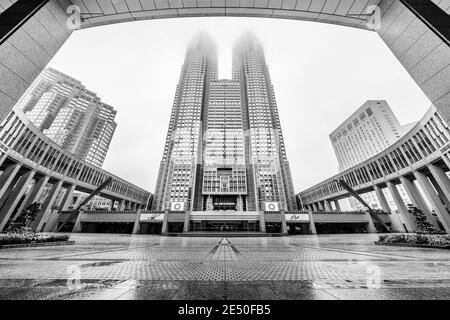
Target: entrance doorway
{"x": 336, "y": 228}
{"x": 151, "y": 228}
{"x": 225, "y": 226}
{"x": 298, "y": 228}
{"x": 224, "y": 203}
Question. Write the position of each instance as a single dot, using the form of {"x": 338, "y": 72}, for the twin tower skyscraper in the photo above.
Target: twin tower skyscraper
{"x": 224, "y": 149}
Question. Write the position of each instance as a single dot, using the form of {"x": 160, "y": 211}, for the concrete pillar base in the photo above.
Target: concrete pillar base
{"x": 186, "y": 221}
{"x": 43, "y": 214}
{"x": 52, "y": 223}
{"x": 165, "y": 224}
{"x": 312, "y": 226}
{"x": 396, "y": 224}
{"x": 416, "y": 198}
{"x": 283, "y": 223}
{"x": 14, "y": 197}
{"x": 77, "y": 226}
{"x": 407, "y": 218}
{"x": 137, "y": 223}
{"x": 370, "y": 225}
{"x": 262, "y": 222}
{"x": 337, "y": 205}
{"x": 436, "y": 202}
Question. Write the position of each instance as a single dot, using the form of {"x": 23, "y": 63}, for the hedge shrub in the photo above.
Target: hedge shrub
{"x": 440, "y": 241}
{"x": 28, "y": 237}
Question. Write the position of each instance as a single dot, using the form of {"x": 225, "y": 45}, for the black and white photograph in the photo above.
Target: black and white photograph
{"x": 224, "y": 156}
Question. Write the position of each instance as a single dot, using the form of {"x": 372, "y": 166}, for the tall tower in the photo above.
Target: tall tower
{"x": 265, "y": 150}
{"x": 70, "y": 115}
{"x": 182, "y": 157}
{"x": 224, "y": 149}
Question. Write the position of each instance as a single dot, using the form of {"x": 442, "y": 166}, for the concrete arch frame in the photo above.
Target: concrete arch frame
{"x": 31, "y": 32}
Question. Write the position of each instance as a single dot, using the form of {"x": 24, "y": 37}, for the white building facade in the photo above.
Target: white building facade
{"x": 369, "y": 130}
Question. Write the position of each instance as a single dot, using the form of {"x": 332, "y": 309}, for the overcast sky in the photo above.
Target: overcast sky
{"x": 321, "y": 73}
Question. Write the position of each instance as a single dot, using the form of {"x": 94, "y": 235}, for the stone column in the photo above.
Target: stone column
{"x": 121, "y": 206}
{"x": 370, "y": 225}
{"x": 7, "y": 177}
{"x": 337, "y": 205}
{"x": 165, "y": 228}
{"x": 14, "y": 197}
{"x": 186, "y": 221}
{"x": 440, "y": 193}
{"x": 52, "y": 223}
{"x": 315, "y": 207}
{"x": 416, "y": 198}
{"x": 436, "y": 202}
{"x": 327, "y": 206}
{"x": 137, "y": 223}
{"x": 3, "y": 158}
{"x": 407, "y": 218}
{"x": 133, "y": 206}
{"x": 396, "y": 224}
{"x": 441, "y": 179}
{"x": 78, "y": 200}
{"x": 43, "y": 214}
{"x": 111, "y": 204}
{"x": 283, "y": 222}
{"x": 381, "y": 198}
{"x": 67, "y": 198}
{"x": 77, "y": 225}
{"x": 33, "y": 195}
{"x": 321, "y": 208}
{"x": 9, "y": 190}
{"x": 312, "y": 226}
{"x": 446, "y": 160}
{"x": 262, "y": 222}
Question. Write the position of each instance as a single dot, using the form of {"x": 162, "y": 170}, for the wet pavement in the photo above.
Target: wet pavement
{"x": 107, "y": 266}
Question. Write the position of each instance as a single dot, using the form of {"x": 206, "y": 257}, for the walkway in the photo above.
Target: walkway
{"x": 153, "y": 267}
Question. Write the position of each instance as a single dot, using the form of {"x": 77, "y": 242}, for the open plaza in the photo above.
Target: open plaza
{"x": 330, "y": 267}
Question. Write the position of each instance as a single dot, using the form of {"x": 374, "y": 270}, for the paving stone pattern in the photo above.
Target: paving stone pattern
{"x": 106, "y": 266}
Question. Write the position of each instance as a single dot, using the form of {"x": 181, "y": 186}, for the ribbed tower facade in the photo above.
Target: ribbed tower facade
{"x": 224, "y": 151}
{"x": 70, "y": 115}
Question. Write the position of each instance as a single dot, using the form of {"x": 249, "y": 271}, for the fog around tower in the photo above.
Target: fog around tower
{"x": 321, "y": 75}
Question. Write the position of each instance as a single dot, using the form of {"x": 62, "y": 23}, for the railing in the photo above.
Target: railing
{"x": 339, "y": 212}
{"x": 297, "y": 212}
{"x": 152, "y": 212}
{"x": 109, "y": 212}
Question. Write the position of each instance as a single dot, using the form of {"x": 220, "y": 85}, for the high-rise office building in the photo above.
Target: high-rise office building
{"x": 372, "y": 128}
{"x": 70, "y": 115}
{"x": 224, "y": 149}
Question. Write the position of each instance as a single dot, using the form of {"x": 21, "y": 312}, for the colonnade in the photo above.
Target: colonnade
{"x": 435, "y": 197}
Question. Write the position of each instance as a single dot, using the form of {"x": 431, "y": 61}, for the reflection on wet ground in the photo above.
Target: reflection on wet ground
{"x": 101, "y": 266}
